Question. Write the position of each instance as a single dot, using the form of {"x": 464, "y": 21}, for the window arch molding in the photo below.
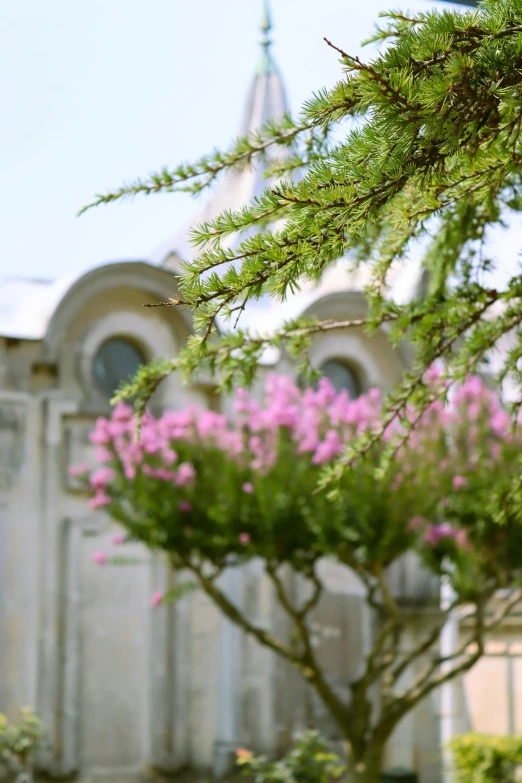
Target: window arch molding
{"x": 117, "y": 360}
{"x": 343, "y": 374}
{"x": 149, "y": 338}
{"x": 377, "y": 363}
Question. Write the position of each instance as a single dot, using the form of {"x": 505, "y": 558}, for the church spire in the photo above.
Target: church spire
{"x": 266, "y": 23}
{"x": 266, "y": 102}
{"x": 266, "y": 64}
{"x": 266, "y": 99}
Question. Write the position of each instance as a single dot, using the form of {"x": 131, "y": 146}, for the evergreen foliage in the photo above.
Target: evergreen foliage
{"x": 433, "y": 157}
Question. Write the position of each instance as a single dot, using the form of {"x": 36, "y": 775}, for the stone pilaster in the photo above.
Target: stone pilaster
{"x": 13, "y": 413}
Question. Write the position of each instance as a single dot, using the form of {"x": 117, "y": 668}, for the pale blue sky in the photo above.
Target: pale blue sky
{"x": 95, "y": 92}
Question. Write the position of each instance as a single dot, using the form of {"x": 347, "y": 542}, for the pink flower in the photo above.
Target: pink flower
{"x": 431, "y": 536}
{"x": 117, "y": 429}
{"x": 328, "y": 449}
{"x": 474, "y": 411}
{"x": 99, "y": 557}
{"x": 243, "y": 403}
{"x": 461, "y": 538}
{"x": 433, "y": 375}
{"x": 78, "y": 470}
{"x": 500, "y": 423}
{"x": 459, "y": 482}
{"x": 232, "y": 442}
{"x": 374, "y": 395}
{"x": 416, "y": 523}
{"x": 122, "y": 412}
{"x": 164, "y": 474}
{"x": 118, "y": 538}
{"x": 472, "y": 388}
{"x": 310, "y": 442}
{"x": 157, "y": 599}
{"x": 244, "y": 538}
{"x": 169, "y": 456}
{"x": 103, "y": 454}
{"x": 210, "y": 424}
{"x": 496, "y": 450}
{"x": 185, "y": 506}
{"x": 149, "y": 440}
{"x": 248, "y": 487}
{"x": 436, "y": 533}
{"x": 101, "y": 435}
{"x": 185, "y": 474}
{"x": 101, "y": 477}
{"x": 99, "y": 500}
{"x": 325, "y": 394}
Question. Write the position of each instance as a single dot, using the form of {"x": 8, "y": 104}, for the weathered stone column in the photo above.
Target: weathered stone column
{"x": 169, "y": 644}
{"x": 13, "y": 408}
{"x": 52, "y": 543}
{"x": 227, "y": 739}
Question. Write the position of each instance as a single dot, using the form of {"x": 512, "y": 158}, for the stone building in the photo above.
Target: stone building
{"x": 122, "y": 688}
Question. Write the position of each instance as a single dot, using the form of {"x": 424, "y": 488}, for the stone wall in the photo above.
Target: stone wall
{"x": 124, "y": 689}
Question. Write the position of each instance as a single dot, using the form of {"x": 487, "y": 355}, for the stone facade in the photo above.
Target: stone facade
{"x": 123, "y": 689}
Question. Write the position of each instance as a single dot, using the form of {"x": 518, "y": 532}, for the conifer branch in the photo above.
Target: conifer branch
{"x": 437, "y": 156}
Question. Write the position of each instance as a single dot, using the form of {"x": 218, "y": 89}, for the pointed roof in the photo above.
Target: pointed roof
{"x": 266, "y": 101}
{"x": 266, "y": 64}
{"x": 266, "y": 98}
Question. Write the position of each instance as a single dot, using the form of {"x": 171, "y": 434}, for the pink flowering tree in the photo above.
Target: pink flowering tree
{"x": 213, "y": 493}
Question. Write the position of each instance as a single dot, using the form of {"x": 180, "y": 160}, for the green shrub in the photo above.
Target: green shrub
{"x": 309, "y": 761}
{"x": 481, "y": 758}
{"x": 18, "y": 743}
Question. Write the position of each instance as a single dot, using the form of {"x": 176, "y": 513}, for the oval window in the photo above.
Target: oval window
{"x": 341, "y": 377}
{"x": 117, "y": 360}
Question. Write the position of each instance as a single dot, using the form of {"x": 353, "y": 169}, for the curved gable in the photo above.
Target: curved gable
{"x": 158, "y": 284}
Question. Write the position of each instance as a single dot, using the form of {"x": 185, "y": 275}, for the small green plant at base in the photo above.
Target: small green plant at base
{"x": 482, "y": 758}
{"x": 19, "y": 742}
{"x": 309, "y": 761}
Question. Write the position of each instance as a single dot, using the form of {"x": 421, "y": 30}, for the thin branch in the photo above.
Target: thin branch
{"x": 398, "y": 706}
{"x": 233, "y": 613}
{"x": 400, "y": 407}
{"x": 423, "y": 646}
{"x": 315, "y": 596}
{"x": 338, "y": 709}
{"x": 358, "y": 65}
{"x": 380, "y": 658}
{"x": 426, "y": 682}
{"x": 168, "y": 182}
{"x": 504, "y": 610}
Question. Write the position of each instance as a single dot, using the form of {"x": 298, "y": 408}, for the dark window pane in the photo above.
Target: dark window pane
{"x": 117, "y": 360}
{"x": 341, "y": 377}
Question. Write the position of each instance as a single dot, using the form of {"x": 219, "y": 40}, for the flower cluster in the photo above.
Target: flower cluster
{"x": 320, "y": 422}
{"x": 195, "y": 481}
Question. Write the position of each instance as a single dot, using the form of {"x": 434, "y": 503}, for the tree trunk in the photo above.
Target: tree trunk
{"x": 368, "y": 768}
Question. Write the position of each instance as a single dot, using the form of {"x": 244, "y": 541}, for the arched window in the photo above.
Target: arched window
{"x": 341, "y": 376}
{"x": 116, "y": 360}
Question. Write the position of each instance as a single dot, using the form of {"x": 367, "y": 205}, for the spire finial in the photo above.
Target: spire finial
{"x": 266, "y": 65}
{"x": 266, "y": 24}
